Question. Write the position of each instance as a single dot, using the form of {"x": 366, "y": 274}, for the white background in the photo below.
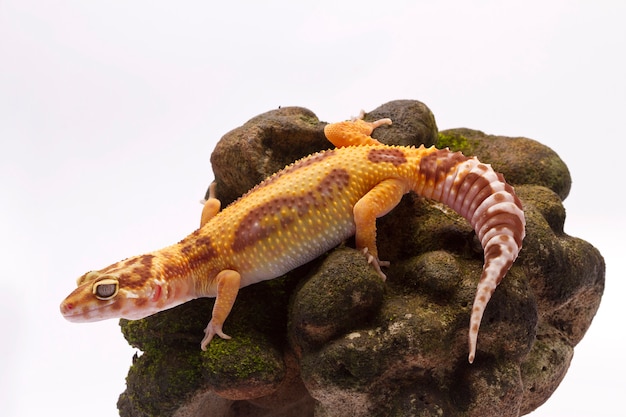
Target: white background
{"x": 109, "y": 111}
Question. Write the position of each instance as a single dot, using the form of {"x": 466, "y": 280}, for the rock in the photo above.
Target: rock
{"x": 413, "y": 123}
{"x": 263, "y": 145}
{"x": 331, "y": 339}
{"x": 520, "y": 160}
{"x": 327, "y": 304}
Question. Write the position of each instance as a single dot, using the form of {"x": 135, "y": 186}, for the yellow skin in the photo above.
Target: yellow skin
{"x": 298, "y": 214}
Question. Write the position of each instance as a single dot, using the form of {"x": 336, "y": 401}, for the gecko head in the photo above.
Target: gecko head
{"x": 129, "y": 289}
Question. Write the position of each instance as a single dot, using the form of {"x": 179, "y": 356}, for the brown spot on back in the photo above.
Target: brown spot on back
{"x": 264, "y": 220}
{"x": 336, "y": 178}
{"x": 251, "y": 230}
{"x": 197, "y": 251}
{"x": 392, "y": 155}
{"x": 437, "y": 165}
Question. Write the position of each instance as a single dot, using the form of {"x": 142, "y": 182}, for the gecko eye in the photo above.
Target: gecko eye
{"x": 106, "y": 289}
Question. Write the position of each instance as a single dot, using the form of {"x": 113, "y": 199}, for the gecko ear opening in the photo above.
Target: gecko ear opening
{"x": 106, "y": 289}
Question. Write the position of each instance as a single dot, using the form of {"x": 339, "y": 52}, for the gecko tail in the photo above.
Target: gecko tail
{"x": 483, "y": 197}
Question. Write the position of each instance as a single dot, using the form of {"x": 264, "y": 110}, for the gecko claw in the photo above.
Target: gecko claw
{"x": 211, "y": 330}
{"x": 376, "y": 263}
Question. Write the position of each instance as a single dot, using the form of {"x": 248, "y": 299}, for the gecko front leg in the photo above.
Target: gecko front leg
{"x": 228, "y": 282}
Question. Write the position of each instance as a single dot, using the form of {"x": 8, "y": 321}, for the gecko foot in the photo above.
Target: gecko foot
{"x": 376, "y": 263}
{"x": 374, "y": 124}
{"x": 211, "y": 330}
{"x": 380, "y": 122}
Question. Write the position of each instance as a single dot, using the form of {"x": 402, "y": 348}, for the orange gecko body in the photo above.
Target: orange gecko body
{"x": 298, "y": 214}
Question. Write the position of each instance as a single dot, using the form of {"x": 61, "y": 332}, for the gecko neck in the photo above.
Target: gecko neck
{"x": 188, "y": 269}
{"x": 173, "y": 279}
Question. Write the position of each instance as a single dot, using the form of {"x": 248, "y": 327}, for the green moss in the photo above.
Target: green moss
{"x": 520, "y": 160}
{"x": 244, "y": 357}
{"x": 159, "y": 382}
{"x": 309, "y": 119}
{"x": 455, "y": 142}
{"x": 181, "y": 327}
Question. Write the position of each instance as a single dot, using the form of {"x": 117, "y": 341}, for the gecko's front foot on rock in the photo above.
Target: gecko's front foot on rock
{"x": 211, "y": 330}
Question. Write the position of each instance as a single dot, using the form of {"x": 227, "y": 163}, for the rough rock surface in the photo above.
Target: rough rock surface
{"x": 330, "y": 339}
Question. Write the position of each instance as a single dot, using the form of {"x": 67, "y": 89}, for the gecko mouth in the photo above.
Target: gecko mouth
{"x": 78, "y": 315}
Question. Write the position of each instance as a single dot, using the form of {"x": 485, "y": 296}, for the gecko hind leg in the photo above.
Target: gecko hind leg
{"x": 378, "y": 201}
{"x": 353, "y": 132}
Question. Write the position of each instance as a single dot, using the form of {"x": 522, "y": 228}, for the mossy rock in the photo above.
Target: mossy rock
{"x": 520, "y": 160}
{"x": 331, "y": 339}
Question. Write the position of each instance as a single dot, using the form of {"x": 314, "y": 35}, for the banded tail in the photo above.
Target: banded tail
{"x": 482, "y": 196}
